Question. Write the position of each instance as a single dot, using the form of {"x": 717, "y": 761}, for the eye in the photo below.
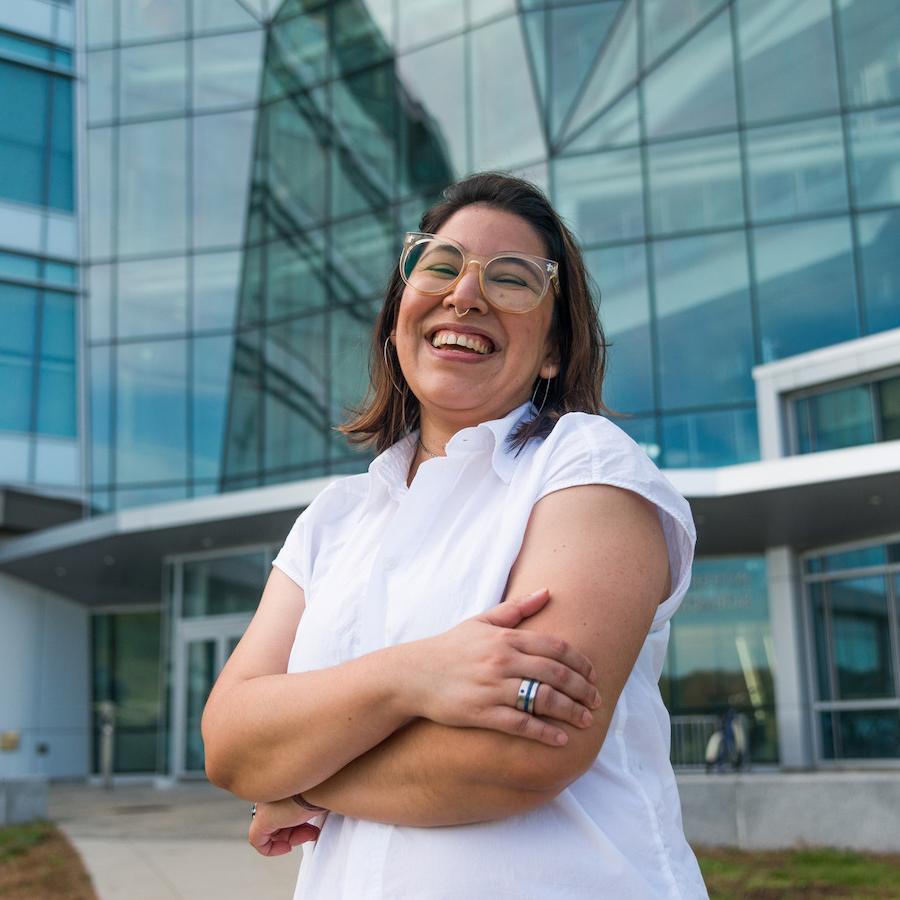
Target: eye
{"x": 443, "y": 269}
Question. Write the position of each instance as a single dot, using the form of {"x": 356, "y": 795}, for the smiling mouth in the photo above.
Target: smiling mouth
{"x": 470, "y": 344}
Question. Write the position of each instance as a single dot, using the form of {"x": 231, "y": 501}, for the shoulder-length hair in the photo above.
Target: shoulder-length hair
{"x": 391, "y": 410}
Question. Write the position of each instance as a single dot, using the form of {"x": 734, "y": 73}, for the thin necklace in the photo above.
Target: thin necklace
{"x": 432, "y": 455}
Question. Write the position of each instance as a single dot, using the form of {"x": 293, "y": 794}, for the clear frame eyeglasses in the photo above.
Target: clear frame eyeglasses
{"x": 513, "y": 282}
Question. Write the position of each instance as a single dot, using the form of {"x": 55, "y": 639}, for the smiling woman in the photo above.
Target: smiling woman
{"x": 471, "y": 633}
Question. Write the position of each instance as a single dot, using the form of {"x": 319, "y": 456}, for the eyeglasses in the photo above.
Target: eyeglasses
{"x": 513, "y": 282}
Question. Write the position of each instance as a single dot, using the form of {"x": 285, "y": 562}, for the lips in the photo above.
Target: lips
{"x": 450, "y": 334}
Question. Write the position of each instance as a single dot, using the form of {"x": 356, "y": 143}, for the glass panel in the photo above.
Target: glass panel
{"x": 601, "y": 196}
{"x": 223, "y": 150}
{"x": 151, "y": 412}
{"x": 296, "y": 275}
{"x": 705, "y": 330}
{"x": 821, "y": 631}
{"x": 125, "y": 650}
{"x": 152, "y": 297}
{"x": 870, "y": 35}
{"x": 426, "y": 20}
{"x": 152, "y": 79}
{"x": 869, "y": 734}
{"x": 227, "y": 69}
{"x": 297, "y": 53}
{"x": 18, "y": 308}
{"x": 616, "y": 127}
{"x": 61, "y": 274}
{"x": 861, "y": 635}
{"x": 889, "y": 409}
{"x": 61, "y": 178}
{"x": 695, "y": 183}
{"x": 130, "y": 499}
{"x": 849, "y": 559}
{"x": 667, "y": 21}
{"x": 698, "y": 440}
{"x": 841, "y": 418}
{"x": 720, "y": 652}
{"x": 796, "y": 169}
{"x": 100, "y": 299}
{"x": 786, "y": 42}
{"x": 500, "y": 69}
{"x": 694, "y": 88}
{"x": 364, "y": 161}
{"x": 212, "y": 358}
{"x": 201, "y": 673}
{"x": 24, "y": 107}
{"x": 217, "y": 278}
{"x": 296, "y": 418}
{"x": 56, "y": 411}
{"x": 100, "y": 85}
{"x": 244, "y": 430}
{"x": 435, "y": 120}
{"x": 100, "y": 383}
{"x": 101, "y": 20}
{"x": 223, "y": 585}
{"x": 805, "y": 286}
{"x": 363, "y": 33}
{"x": 879, "y": 238}
{"x": 209, "y": 15}
{"x": 621, "y": 274}
{"x": 100, "y": 192}
{"x": 161, "y": 18}
{"x": 16, "y": 265}
{"x": 363, "y": 254}
{"x": 152, "y": 187}
{"x": 875, "y": 151}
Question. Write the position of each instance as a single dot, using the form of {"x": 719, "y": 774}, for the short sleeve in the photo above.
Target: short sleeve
{"x": 587, "y": 449}
{"x": 293, "y": 557}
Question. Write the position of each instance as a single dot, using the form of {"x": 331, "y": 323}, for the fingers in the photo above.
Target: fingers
{"x": 511, "y": 612}
{"x": 513, "y": 721}
{"x": 535, "y": 644}
{"x": 553, "y": 704}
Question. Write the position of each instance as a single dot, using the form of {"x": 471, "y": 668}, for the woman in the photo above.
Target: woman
{"x": 413, "y": 696}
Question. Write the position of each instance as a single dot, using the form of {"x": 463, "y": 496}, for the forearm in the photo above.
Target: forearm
{"x": 427, "y": 774}
{"x": 274, "y": 735}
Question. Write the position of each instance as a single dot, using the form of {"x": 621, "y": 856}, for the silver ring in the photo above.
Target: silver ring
{"x": 527, "y": 692}
{"x": 253, "y": 812}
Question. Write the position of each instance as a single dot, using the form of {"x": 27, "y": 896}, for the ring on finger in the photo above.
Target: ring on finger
{"x": 527, "y": 692}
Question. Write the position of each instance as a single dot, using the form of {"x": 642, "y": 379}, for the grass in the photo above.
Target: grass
{"x": 804, "y": 873}
{"x": 36, "y": 861}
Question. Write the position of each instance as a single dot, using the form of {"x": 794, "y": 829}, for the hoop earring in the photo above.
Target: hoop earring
{"x": 387, "y": 365}
{"x": 404, "y": 427}
{"x": 546, "y": 391}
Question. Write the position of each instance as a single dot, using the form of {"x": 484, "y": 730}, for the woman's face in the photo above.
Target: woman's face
{"x": 466, "y": 387}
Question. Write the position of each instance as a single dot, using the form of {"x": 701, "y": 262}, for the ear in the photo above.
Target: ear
{"x": 551, "y": 366}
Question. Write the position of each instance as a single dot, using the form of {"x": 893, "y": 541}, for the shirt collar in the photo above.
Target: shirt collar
{"x": 391, "y": 467}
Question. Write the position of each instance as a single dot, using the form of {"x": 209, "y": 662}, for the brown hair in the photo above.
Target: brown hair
{"x": 391, "y": 410}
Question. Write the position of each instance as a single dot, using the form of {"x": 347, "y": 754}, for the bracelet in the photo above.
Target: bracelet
{"x": 309, "y": 807}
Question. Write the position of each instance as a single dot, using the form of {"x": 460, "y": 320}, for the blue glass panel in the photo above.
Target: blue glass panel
{"x": 152, "y": 79}
{"x": 226, "y": 69}
{"x": 889, "y": 413}
{"x": 601, "y": 195}
{"x": 787, "y": 58}
{"x": 15, "y": 265}
{"x": 870, "y": 33}
{"x": 15, "y": 45}
{"x": 704, "y": 325}
{"x": 852, "y": 559}
{"x": 879, "y": 240}
{"x": 363, "y": 33}
{"x": 56, "y": 398}
{"x": 209, "y": 403}
{"x": 668, "y": 21}
{"x": 616, "y": 127}
{"x": 152, "y": 297}
{"x": 805, "y": 286}
{"x": 100, "y": 192}
{"x": 101, "y": 98}
{"x": 695, "y": 183}
{"x": 621, "y": 275}
{"x": 299, "y": 260}
{"x": 797, "y": 169}
{"x": 867, "y": 734}
{"x": 60, "y": 273}
{"x": 820, "y": 632}
{"x": 151, "y": 412}
{"x": 100, "y": 303}
{"x": 216, "y": 285}
{"x": 24, "y": 104}
{"x": 18, "y": 306}
{"x": 62, "y": 164}
{"x": 100, "y": 383}
{"x": 364, "y": 252}
{"x": 875, "y": 151}
{"x": 699, "y": 440}
{"x": 837, "y": 419}
{"x": 58, "y": 326}
{"x": 682, "y": 96}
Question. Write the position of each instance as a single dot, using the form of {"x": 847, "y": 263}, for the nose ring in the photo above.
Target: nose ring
{"x": 459, "y": 315}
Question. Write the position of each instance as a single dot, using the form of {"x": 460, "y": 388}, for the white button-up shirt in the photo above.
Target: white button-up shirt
{"x": 381, "y": 564}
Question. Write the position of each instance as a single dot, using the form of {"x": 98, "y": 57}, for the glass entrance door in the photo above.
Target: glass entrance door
{"x": 202, "y": 647}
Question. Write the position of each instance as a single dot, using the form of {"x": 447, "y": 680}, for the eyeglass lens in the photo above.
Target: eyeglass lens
{"x": 511, "y": 283}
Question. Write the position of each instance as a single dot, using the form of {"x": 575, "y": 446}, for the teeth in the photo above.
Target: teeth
{"x": 449, "y": 338}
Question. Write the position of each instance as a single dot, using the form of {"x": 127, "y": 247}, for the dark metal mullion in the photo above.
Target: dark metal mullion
{"x": 113, "y": 370}
{"x": 836, "y": 742}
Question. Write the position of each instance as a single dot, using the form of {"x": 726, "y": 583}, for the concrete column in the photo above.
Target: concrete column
{"x": 791, "y": 695}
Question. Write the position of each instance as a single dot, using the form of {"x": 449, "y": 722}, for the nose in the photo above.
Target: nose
{"x": 466, "y": 294}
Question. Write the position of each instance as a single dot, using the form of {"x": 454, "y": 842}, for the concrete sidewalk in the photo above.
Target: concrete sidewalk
{"x": 188, "y": 842}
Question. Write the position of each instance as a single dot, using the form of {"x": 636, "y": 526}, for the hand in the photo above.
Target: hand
{"x": 469, "y": 676}
{"x": 278, "y": 827}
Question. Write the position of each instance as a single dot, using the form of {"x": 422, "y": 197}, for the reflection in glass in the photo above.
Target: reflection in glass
{"x": 297, "y": 53}
{"x": 862, "y": 734}
{"x": 821, "y": 629}
{"x": 201, "y": 673}
{"x": 614, "y": 128}
{"x": 601, "y": 196}
{"x": 796, "y": 169}
{"x": 720, "y": 653}
{"x": 152, "y": 79}
{"x": 363, "y": 33}
{"x": 152, "y": 187}
{"x": 151, "y": 412}
{"x": 875, "y": 151}
{"x": 870, "y": 35}
{"x": 700, "y": 440}
{"x": 212, "y": 360}
{"x": 56, "y": 406}
{"x": 216, "y": 284}
{"x": 18, "y": 311}
{"x": 223, "y": 148}
{"x": 889, "y": 410}
{"x": 695, "y": 183}
{"x": 806, "y": 288}
{"x": 704, "y": 325}
{"x": 24, "y": 109}
{"x": 879, "y": 238}
{"x": 152, "y": 297}
{"x": 694, "y": 88}
{"x": 222, "y": 585}
{"x": 61, "y": 177}
{"x": 295, "y": 275}
{"x": 244, "y": 429}
{"x": 364, "y": 253}
{"x": 227, "y": 69}
{"x": 498, "y": 63}
{"x": 787, "y": 58}
{"x": 621, "y": 274}
{"x": 835, "y": 419}
{"x": 667, "y": 21}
